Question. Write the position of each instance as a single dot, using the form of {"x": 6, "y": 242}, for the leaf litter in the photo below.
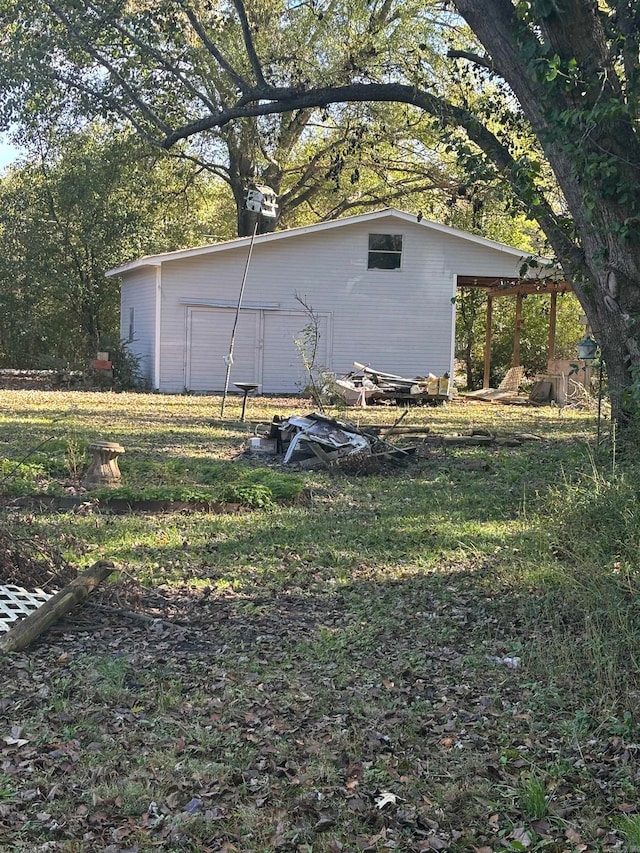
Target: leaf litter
{"x": 368, "y": 717}
{"x": 202, "y": 717}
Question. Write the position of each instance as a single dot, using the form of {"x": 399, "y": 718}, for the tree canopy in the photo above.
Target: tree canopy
{"x": 81, "y": 204}
{"x": 159, "y": 64}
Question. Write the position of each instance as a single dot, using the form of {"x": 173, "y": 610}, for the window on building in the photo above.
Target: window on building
{"x": 132, "y": 324}
{"x": 385, "y": 251}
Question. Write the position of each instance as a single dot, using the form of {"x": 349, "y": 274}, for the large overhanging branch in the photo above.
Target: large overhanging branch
{"x": 213, "y": 49}
{"x": 274, "y": 100}
{"x": 270, "y": 100}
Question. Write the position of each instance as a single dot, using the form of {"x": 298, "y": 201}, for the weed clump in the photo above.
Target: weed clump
{"x": 31, "y": 561}
{"x": 255, "y": 495}
{"x": 258, "y": 488}
{"x": 589, "y": 631}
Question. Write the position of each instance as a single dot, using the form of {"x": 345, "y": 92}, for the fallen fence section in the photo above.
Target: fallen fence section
{"x": 28, "y": 629}
{"x": 17, "y": 602}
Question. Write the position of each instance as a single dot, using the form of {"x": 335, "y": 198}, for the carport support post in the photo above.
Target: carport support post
{"x": 515, "y": 360}
{"x": 553, "y": 310}
{"x": 229, "y": 358}
{"x": 487, "y": 344}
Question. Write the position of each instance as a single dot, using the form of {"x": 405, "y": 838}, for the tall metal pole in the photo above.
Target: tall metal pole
{"x": 229, "y": 358}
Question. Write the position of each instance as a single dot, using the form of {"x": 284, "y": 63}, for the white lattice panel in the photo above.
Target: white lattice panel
{"x": 15, "y": 603}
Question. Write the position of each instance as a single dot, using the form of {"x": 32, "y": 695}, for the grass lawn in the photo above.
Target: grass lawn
{"x": 440, "y": 656}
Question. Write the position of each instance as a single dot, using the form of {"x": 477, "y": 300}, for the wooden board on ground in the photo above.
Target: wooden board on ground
{"x": 29, "y": 629}
{"x": 491, "y": 395}
{"x": 541, "y": 392}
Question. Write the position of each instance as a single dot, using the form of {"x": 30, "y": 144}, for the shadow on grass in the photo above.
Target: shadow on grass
{"x": 449, "y": 501}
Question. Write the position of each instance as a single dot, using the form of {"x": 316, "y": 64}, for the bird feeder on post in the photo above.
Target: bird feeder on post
{"x": 587, "y": 350}
{"x": 263, "y": 202}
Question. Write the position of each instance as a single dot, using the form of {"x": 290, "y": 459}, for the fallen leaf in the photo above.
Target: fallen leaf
{"x": 541, "y": 827}
{"x": 324, "y": 824}
{"x": 521, "y": 836}
{"x": 572, "y": 835}
{"x": 386, "y": 798}
{"x": 173, "y": 799}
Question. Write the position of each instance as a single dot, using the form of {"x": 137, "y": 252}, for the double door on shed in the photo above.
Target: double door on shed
{"x": 265, "y": 349}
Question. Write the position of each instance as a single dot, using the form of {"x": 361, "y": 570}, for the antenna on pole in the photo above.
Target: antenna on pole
{"x": 263, "y": 202}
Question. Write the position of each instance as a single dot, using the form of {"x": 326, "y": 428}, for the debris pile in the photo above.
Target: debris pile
{"x": 322, "y": 438}
{"x": 315, "y": 441}
{"x": 364, "y": 386}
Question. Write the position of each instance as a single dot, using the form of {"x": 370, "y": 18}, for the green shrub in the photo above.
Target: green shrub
{"x": 157, "y": 493}
{"x": 282, "y": 486}
{"x": 127, "y": 373}
{"x": 253, "y": 495}
{"x": 221, "y": 483}
{"x": 215, "y": 473}
{"x": 18, "y": 478}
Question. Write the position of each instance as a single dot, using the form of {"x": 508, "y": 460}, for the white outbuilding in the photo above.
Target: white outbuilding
{"x": 381, "y": 285}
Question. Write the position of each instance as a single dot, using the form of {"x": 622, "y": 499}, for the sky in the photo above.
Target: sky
{"x": 8, "y": 153}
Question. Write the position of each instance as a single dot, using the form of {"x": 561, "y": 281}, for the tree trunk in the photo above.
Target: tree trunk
{"x": 592, "y": 146}
{"x": 243, "y": 173}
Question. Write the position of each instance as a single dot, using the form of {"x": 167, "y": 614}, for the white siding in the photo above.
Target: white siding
{"x": 208, "y": 340}
{"x": 265, "y": 349}
{"x": 283, "y": 369}
{"x": 138, "y": 292}
{"x": 401, "y": 321}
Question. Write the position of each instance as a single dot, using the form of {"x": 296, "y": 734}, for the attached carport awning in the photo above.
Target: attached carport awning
{"x": 518, "y": 287}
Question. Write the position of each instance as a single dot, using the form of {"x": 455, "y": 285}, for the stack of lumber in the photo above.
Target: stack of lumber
{"x": 364, "y": 386}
